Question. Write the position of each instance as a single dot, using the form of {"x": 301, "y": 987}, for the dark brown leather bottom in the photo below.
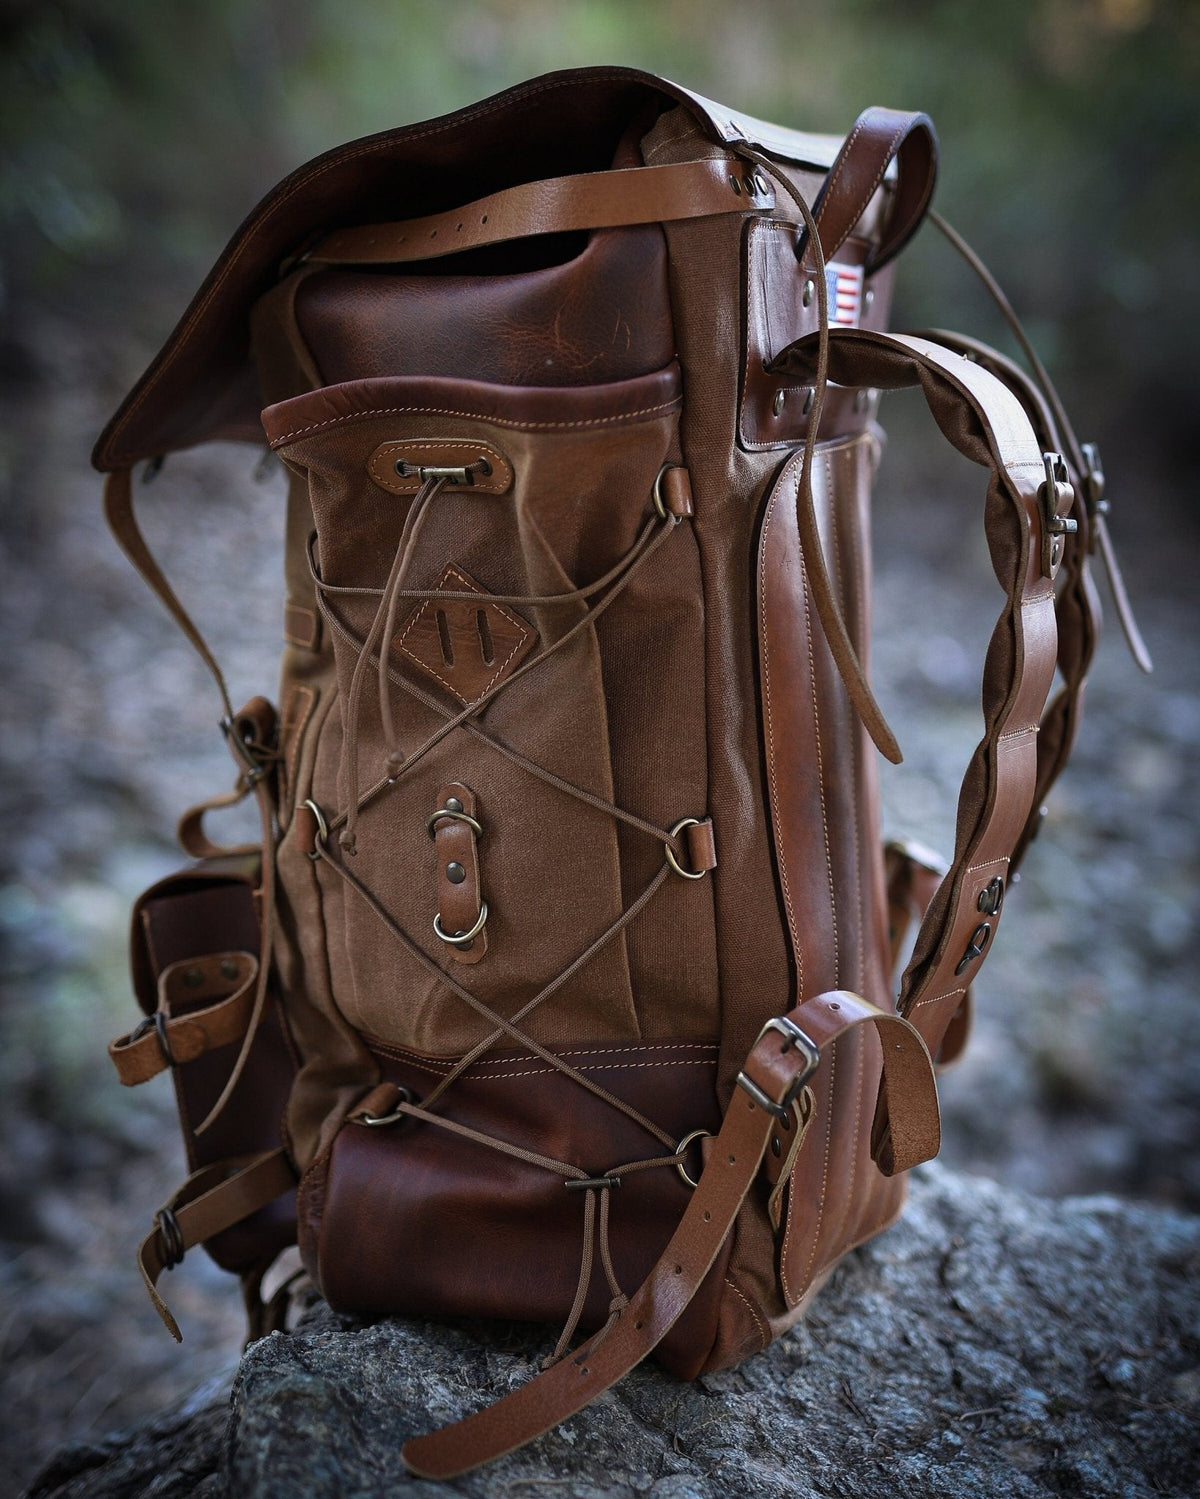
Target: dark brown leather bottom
{"x": 412, "y": 1219}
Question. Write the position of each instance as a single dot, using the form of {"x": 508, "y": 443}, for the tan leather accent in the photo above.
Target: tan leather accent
{"x": 444, "y": 452}
{"x": 466, "y": 648}
{"x": 213, "y": 1200}
{"x": 456, "y": 848}
{"x": 556, "y": 205}
{"x": 662, "y": 1298}
{"x": 301, "y": 626}
{"x": 218, "y": 990}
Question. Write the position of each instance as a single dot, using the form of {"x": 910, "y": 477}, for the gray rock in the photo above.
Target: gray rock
{"x": 990, "y": 1344}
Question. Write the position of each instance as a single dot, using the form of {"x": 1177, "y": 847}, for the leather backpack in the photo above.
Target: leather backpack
{"x": 562, "y": 984}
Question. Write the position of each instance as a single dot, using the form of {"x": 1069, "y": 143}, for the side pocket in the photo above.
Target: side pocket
{"x": 193, "y": 928}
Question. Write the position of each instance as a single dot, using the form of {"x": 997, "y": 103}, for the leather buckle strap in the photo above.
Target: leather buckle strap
{"x": 589, "y": 200}
{"x": 793, "y": 1037}
{"x": 732, "y": 1166}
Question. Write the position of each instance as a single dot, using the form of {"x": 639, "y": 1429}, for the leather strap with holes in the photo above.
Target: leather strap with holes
{"x": 210, "y": 1201}
{"x": 777, "y": 1068}
{"x": 459, "y": 889}
{"x": 590, "y": 200}
{"x": 220, "y": 989}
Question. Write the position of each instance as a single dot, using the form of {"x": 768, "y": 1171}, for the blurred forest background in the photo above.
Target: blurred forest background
{"x": 138, "y": 133}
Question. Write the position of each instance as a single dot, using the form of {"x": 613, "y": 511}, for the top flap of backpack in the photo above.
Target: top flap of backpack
{"x": 202, "y": 385}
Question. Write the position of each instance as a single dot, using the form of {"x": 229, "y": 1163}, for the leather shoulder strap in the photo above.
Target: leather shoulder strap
{"x": 1026, "y": 524}
{"x": 783, "y": 1058}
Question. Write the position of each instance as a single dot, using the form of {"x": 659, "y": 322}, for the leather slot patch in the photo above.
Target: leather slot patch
{"x": 468, "y": 648}
{"x": 399, "y": 467}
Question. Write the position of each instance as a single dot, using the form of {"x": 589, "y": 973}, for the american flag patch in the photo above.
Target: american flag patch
{"x": 845, "y": 284}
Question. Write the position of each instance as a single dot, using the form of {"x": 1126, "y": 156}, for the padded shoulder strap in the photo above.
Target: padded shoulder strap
{"x": 1026, "y": 523}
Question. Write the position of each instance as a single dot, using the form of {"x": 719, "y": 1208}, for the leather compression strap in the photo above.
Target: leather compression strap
{"x": 210, "y": 1201}
{"x": 555, "y": 205}
{"x": 777, "y": 1068}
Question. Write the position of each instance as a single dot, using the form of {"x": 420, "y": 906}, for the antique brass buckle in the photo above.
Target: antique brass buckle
{"x": 793, "y": 1036}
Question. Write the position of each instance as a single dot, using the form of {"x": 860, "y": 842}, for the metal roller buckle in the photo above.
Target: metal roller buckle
{"x": 793, "y": 1036}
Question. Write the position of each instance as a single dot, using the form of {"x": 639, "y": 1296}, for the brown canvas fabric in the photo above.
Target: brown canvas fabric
{"x": 572, "y": 794}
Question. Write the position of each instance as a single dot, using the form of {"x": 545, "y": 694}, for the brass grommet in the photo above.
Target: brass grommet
{"x": 375, "y": 1121}
{"x": 460, "y": 939}
{"x": 807, "y": 292}
{"x": 696, "y": 1134}
{"x": 777, "y": 403}
{"x": 457, "y": 814}
{"x": 688, "y": 874}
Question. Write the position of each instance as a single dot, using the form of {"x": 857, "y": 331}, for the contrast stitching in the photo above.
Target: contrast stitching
{"x": 490, "y": 106}
{"x": 513, "y": 619}
{"x": 812, "y": 677}
{"x": 495, "y": 421}
{"x": 856, "y": 735}
{"x": 749, "y": 1305}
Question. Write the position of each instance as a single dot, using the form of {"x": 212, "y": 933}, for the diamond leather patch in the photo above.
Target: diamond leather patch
{"x": 466, "y": 648}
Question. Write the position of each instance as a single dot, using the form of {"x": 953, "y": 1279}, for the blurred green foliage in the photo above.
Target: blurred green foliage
{"x": 137, "y": 132}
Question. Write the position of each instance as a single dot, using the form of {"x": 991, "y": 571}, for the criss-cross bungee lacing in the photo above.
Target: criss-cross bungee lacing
{"x": 373, "y": 653}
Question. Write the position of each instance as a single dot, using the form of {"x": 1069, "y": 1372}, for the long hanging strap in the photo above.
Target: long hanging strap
{"x": 782, "y": 1060}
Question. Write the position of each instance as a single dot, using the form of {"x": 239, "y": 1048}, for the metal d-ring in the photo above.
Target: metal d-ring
{"x": 696, "y": 1134}
{"x": 457, "y": 815}
{"x": 660, "y": 505}
{"x": 376, "y": 1121}
{"x": 322, "y": 827}
{"x": 688, "y": 874}
{"x": 460, "y": 939}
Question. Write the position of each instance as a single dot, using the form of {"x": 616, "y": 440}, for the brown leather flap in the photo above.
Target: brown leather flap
{"x": 201, "y": 386}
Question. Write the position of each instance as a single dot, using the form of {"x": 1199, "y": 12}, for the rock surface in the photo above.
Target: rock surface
{"x": 991, "y": 1344}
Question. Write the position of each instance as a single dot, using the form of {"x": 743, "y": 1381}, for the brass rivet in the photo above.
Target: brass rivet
{"x": 229, "y": 969}
{"x": 764, "y": 187}
{"x": 776, "y": 1147}
{"x": 809, "y": 397}
{"x": 806, "y": 295}
{"x": 868, "y": 298}
{"x": 777, "y": 404}
{"x": 751, "y": 183}
{"x": 455, "y": 873}
{"x": 452, "y": 804}
{"x": 735, "y": 184}
{"x": 193, "y": 978}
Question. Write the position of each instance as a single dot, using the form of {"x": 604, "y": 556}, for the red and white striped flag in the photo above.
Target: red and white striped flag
{"x": 845, "y": 284}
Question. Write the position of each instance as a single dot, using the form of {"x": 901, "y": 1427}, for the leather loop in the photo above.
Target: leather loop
{"x": 730, "y": 1169}
{"x": 210, "y": 1201}
{"x": 227, "y": 980}
{"x": 459, "y": 892}
{"x": 879, "y": 137}
{"x": 591, "y": 200}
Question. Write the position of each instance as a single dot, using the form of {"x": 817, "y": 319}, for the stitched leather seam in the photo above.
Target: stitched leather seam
{"x": 855, "y": 744}
{"x": 1019, "y": 733}
{"x": 495, "y": 421}
{"x": 763, "y": 1339}
{"x": 938, "y": 998}
{"x": 812, "y": 677}
{"x": 490, "y": 106}
{"x": 438, "y": 1064}
{"x": 772, "y": 759}
{"x": 988, "y": 863}
{"x": 469, "y": 587}
{"x": 500, "y": 482}
{"x": 812, "y": 1253}
{"x": 495, "y": 1077}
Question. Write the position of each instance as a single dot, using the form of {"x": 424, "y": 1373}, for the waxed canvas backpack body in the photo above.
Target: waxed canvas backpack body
{"x": 561, "y": 985}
